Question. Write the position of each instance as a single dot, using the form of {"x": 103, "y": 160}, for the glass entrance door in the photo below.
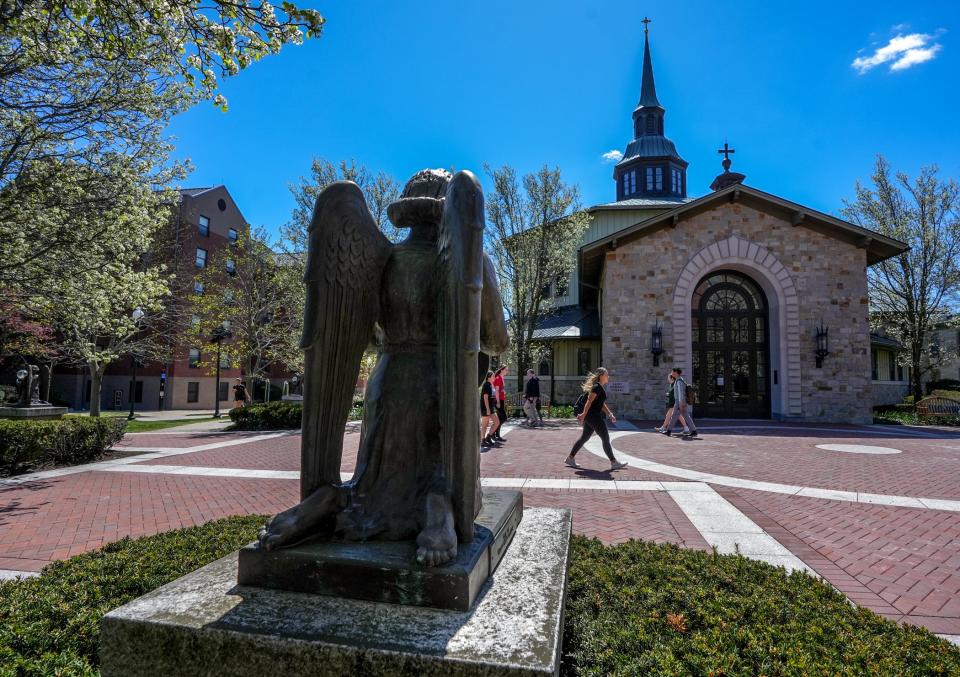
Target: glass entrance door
{"x": 730, "y": 347}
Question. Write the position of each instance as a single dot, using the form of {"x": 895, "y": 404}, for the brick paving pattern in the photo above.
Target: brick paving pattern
{"x": 901, "y": 562}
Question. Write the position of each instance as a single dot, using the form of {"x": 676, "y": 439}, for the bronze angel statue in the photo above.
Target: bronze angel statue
{"x": 431, "y": 305}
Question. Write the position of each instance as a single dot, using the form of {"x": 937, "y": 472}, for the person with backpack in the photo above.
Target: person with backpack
{"x": 671, "y": 404}
{"x": 683, "y": 394}
{"x": 531, "y": 399}
{"x": 592, "y": 405}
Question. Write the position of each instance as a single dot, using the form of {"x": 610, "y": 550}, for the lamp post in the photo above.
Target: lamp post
{"x": 136, "y": 316}
{"x": 220, "y": 333}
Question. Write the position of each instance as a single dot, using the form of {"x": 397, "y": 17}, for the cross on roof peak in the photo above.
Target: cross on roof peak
{"x": 646, "y": 25}
{"x": 726, "y": 150}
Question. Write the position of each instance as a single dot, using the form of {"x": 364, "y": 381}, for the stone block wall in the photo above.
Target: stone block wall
{"x": 808, "y": 277}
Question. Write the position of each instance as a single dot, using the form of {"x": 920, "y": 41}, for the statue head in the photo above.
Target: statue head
{"x": 421, "y": 202}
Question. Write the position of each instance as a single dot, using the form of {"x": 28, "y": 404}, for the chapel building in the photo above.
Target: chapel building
{"x": 762, "y": 301}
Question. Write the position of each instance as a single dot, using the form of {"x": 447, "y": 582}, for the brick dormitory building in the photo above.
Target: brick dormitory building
{"x": 738, "y": 287}
{"x": 204, "y": 221}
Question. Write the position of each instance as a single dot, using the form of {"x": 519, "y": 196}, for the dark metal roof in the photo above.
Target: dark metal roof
{"x": 193, "y": 192}
{"x": 643, "y": 203}
{"x": 569, "y": 322}
{"x": 884, "y": 341}
{"x": 653, "y": 146}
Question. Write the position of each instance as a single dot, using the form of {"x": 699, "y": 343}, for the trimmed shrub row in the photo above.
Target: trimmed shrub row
{"x": 278, "y": 415}
{"x": 50, "y": 625}
{"x": 633, "y": 609}
{"x": 68, "y": 441}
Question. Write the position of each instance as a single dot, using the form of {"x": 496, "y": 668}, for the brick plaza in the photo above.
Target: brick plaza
{"x": 873, "y": 510}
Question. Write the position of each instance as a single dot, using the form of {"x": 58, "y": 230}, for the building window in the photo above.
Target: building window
{"x": 658, "y": 173}
{"x": 651, "y": 124}
{"x": 583, "y": 361}
{"x": 193, "y": 391}
{"x": 544, "y": 368}
{"x": 632, "y": 174}
{"x": 892, "y": 365}
{"x": 224, "y": 391}
{"x": 198, "y": 288}
{"x": 649, "y": 178}
{"x": 231, "y": 267}
{"x": 194, "y": 358}
{"x": 675, "y": 182}
{"x": 203, "y": 226}
{"x": 201, "y": 257}
{"x": 232, "y": 235}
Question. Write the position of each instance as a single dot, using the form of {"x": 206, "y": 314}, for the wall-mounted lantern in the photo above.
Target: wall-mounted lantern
{"x": 823, "y": 344}
{"x": 656, "y": 343}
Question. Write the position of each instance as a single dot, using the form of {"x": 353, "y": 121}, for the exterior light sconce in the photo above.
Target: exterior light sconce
{"x": 823, "y": 344}
{"x": 656, "y": 343}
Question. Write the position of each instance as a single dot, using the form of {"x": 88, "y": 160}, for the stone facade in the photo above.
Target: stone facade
{"x": 808, "y": 278}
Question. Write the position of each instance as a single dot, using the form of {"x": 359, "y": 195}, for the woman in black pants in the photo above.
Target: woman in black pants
{"x": 592, "y": 419}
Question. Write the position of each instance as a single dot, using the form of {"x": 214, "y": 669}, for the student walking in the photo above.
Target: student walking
{"x": 671, "y": 404}
{"x": 501, "y": 400}
{"x": 489, "y": 423}
{"x": 680, "y": 409}
{"x": 592, "y": 418}
{"x": 531, "y": 399}
{"x": 240, "y": 394}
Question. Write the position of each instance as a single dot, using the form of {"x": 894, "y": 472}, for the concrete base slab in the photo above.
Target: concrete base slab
{"x": 206, "y": 624}
{"x": 36, "y": 412}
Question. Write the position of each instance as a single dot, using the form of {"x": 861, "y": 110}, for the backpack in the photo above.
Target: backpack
{"x": 580, "y": 404}
{"x": 690, "y": 393}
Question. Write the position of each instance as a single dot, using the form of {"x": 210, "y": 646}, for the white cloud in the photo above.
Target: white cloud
{"x": 903, "y": 50}
{"x": 612, "y": 156}
{"x": 914, "y": 56}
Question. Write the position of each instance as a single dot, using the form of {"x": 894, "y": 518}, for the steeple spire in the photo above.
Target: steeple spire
{"x": 648, "y": 88}
{"x": 651, "y": 167}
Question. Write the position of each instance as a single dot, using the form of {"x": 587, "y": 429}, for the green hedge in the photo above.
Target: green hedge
{"x": 50, "y": 625}
{"x": 269, "y": 416}
{"x": 67, "y": 441}
{"x": 632, "y": 609}
{"x": 646, "y": 609}
{"x": 278, "y": 415}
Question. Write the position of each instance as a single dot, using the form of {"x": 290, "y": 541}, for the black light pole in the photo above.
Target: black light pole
{"x": 137, "y": 315}
{"x": 221, "y": 332}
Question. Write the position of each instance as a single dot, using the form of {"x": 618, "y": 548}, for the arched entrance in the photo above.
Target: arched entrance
{"x": 730, "y": 346}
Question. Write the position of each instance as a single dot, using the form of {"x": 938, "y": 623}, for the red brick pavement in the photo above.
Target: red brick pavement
{"x": 927, "y": 467}
{"x": 903, "y": 563}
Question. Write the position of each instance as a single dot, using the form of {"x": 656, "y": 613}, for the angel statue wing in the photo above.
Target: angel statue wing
{"x": 460, "y": 249}
{"x": 345, "y": 262}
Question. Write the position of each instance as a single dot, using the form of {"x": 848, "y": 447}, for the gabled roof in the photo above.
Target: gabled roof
{"x": 193, "y": 192}
{"x": 879, "y": 247}
{"x": 643, "y": 203}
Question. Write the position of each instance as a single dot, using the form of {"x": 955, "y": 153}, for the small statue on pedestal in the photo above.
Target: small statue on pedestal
{"x": 28, "y": 387}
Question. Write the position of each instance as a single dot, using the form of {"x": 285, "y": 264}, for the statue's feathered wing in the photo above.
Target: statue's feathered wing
{"x": 345, "y": 262}
{"x": 460, "y": 247}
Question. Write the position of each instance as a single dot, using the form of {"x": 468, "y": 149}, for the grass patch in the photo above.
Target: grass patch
{"x": 645, "y": 609}
{"x": 632, "y": 609}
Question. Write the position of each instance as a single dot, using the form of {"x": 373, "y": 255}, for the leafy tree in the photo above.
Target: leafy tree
{"x": 260, "y": 302}
{"x": 379, "y": 189}
{"x": 912, "y": 293}
{"x": 534, "y": 228}
{"x": 87, "y": 89}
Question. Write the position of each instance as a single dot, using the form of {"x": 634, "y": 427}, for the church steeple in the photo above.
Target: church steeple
{"x": 651, "y": 166}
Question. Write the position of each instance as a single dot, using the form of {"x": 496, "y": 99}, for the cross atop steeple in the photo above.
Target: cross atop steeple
{"x": 725, "y": 151}
{"x": 646, "y": 25}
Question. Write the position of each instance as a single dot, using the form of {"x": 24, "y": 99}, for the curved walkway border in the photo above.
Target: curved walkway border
{"x": 773, "y": 487}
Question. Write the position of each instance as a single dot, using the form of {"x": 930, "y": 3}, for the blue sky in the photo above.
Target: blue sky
{"x": 799, "y": 89}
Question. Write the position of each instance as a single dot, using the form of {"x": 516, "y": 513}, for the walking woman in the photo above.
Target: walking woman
{"x": 500, "y": 401}
{"x": 489, "y": 423}
{"x": 592, "y": 418}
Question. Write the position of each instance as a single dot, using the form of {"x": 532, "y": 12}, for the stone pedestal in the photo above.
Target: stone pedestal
{"x": 206, "y": 624}
{"x": 387, "y": 571}
{"x": 40, "y": 412}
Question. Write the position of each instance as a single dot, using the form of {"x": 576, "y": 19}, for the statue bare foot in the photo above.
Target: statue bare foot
{"x": 301, "y": 521}
{"x": 437, "y": 543}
